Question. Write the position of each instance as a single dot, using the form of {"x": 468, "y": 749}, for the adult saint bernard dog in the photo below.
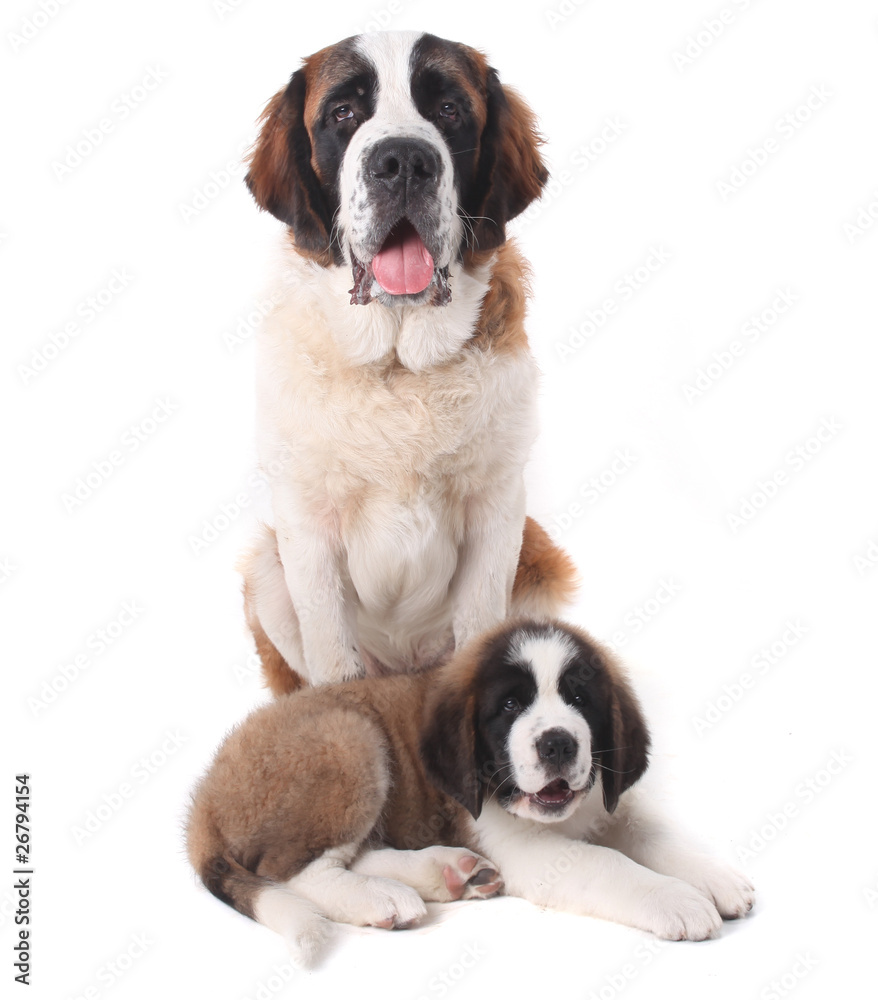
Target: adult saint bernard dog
{"x": 395, "y": 387}
{"x": 357, "y": 802}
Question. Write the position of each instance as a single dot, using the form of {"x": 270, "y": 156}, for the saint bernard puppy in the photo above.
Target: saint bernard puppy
{"x": 358, "y": 802}
{"x": 396, "y": 390}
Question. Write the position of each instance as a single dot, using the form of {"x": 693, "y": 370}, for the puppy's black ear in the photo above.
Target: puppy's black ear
{"x": 281, "y": 177}
{"x": 627, "y": 742}
{"x": 448, "y": 738}
{"x": 510, "y": 173}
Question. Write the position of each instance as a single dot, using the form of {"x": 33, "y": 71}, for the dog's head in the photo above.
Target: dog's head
{"x": 394, "y": 153}
{"x": 531, "y": 715}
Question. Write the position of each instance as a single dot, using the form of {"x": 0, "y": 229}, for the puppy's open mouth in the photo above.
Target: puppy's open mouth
{"x": 554, "y": 796}
{"x": 402, "y": 266}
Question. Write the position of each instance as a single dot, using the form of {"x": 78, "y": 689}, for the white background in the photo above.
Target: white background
{"x": 114, "y": 733}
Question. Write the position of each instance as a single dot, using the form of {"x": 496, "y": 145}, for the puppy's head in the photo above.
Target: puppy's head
{"x": 531, "y": 715}
{"x": 393, "y": 153}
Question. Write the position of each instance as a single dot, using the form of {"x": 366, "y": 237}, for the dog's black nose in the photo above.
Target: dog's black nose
{"x": 399, "y": 163}
{"x": 556, "y": 746}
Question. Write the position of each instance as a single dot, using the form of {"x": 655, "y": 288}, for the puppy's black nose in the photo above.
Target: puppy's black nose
{"x": 399, "y": 163}
{"x": 556, "y": 746}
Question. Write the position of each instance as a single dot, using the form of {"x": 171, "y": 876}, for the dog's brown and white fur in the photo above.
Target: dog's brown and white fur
{"x": 358, "y": 802}
{"x": 394, "y": 425}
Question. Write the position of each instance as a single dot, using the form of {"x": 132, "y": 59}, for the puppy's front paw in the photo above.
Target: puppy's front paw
{"x": 677, "y": 911}
{"x": 732, "y": 893}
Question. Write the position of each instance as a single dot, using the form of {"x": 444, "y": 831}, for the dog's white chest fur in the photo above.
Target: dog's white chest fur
{"x": 382, "y": 431}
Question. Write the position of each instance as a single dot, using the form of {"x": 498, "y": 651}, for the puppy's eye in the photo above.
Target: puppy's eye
{"x": 578, "y": 699}
{"x": 448, "y": 110}
{"x": 343, "y": 113}
{"x": 511, "y": 705}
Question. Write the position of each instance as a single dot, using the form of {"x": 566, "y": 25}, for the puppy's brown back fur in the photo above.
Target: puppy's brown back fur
{"x": 317, "y": 769}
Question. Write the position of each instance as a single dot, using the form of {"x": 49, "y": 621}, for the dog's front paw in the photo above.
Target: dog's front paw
{"x": 677, "y": 911}
{"x": 732, "y": 893}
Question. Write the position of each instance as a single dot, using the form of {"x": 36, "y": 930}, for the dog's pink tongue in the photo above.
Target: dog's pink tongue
{"x": 403, "y": 265}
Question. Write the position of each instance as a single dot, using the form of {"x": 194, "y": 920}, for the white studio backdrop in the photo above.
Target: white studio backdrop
{"x": 705, "y": 321}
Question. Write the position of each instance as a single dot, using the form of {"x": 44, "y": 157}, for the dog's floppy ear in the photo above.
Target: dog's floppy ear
{"x": 510, "y": 173}
{"x": 281, "y": 177}
{"x": 448, "y": 738}
{"x": 627, "y": 743}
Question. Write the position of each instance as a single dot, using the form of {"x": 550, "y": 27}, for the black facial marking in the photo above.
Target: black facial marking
{"x": 506, "y": 689}
{"x": 438, "y": 67}
{"x": 344, "y": 108}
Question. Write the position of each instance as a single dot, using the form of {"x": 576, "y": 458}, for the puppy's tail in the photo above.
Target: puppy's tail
{"x": 302, "y": 926}
{"x": 546, "y": 579}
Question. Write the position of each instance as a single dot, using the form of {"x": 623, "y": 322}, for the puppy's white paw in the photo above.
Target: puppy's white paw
{"x": 731, "y": 892}
{"x": 390, "y": 904}
{"x": 677, "y": 911}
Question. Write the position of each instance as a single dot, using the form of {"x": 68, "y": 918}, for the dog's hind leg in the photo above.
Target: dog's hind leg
{"x": 439, "y": 874}
{"x": 351, "y": 897}
{"x": 272, "y": 617}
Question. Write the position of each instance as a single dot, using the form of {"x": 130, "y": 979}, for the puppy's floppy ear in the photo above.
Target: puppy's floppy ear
{"x": 510, "y": 173}
{"x": 281, "y": 177}
{"x": 448, "y": 739}
{"x": 627, "y": 742}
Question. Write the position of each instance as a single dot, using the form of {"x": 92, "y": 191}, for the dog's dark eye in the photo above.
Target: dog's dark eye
{"x": 511, "y": 705}
{"x": 343, "y": 113}
{"x": 448, "y": 110}
{"x": 578, "y": 699}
